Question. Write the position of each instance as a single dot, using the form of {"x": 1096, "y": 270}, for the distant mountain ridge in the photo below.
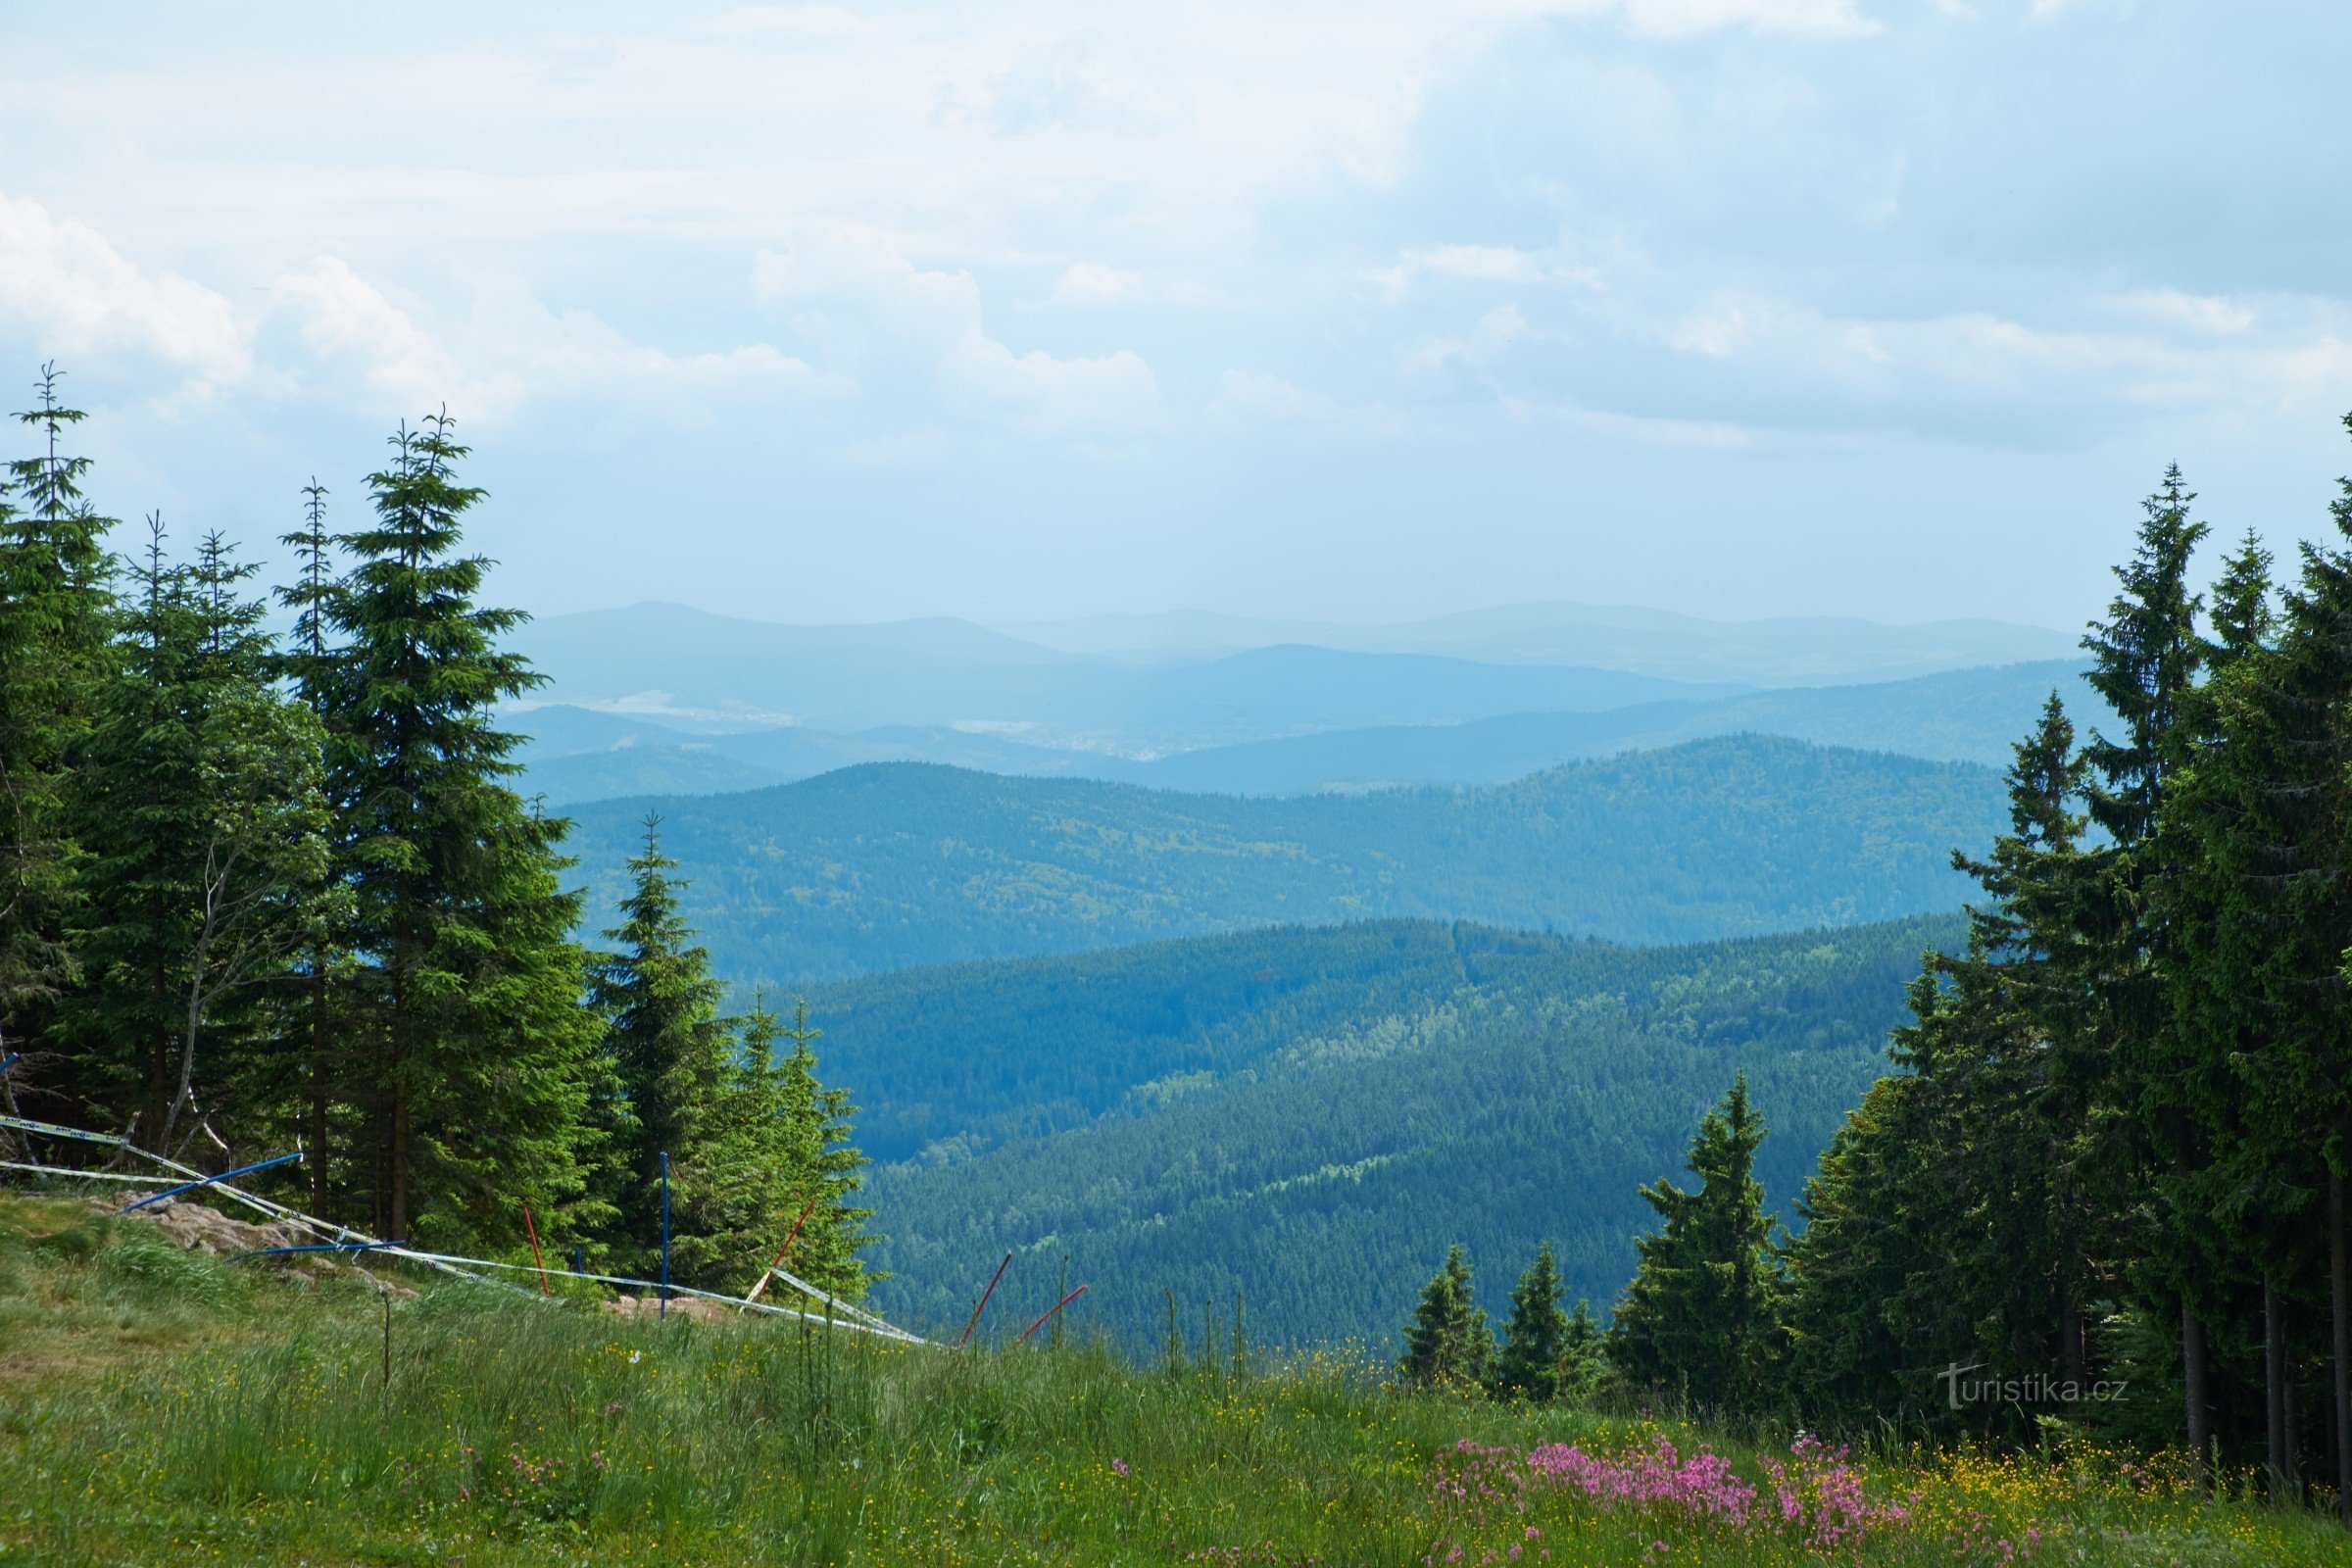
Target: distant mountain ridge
{"x": 1812, "y": 650}
{"x": 713, "y": 672}
{"x": 1974, "y": 715}
{"x": 881, "y": 866}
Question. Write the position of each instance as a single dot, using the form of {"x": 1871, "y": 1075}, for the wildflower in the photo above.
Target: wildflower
{"x": 1120, "y": 1465}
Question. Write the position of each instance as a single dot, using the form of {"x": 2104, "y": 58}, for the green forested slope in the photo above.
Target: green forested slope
{"x": 1308, "y": 1118}
{"x": 880, "y": 867}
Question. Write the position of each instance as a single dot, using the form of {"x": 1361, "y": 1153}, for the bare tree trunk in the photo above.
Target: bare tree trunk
{"x": 2196, "y": 1381}
{"x": 2274, "y": 1387}
{"x": 2339, "y": 1300}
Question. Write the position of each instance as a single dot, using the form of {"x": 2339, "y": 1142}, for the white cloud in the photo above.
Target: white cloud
{"x": 1682, "y": 19}
{"x": 76, "y": 294}
{"x": 516, "y": 349}
{"x": 1093, "y": 283}
{"x": 938, "y": 314}
{"x": 347, "y": 322}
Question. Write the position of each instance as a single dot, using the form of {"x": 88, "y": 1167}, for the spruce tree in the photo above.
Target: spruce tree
{"x": 313, "y": 668}
{"x": 1583, "y": 1355}
{"x": 823, "y": 1165}
{"x": 466, "y": 999}
{"x": 2145, "y": 661}
{"x": 198, "y": 807}
{"x": 1535, "y": 1340}
{"x": 1699, "y": 1312}
{"x": 672, "y": 1054}
{"x": 55, "y": 607}
{"x": 2207, "y": 829}
{"x": 1448, "y": 1344}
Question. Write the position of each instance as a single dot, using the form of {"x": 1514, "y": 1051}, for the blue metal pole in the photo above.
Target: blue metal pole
{"x": 666, "y": 1232}
{"x": 241, "y": 1170}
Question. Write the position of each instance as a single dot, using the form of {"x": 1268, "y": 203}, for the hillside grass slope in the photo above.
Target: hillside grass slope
{"x": 167, "y": 1407}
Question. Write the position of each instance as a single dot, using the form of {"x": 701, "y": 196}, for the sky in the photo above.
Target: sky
{"x": 1368, "y": 311}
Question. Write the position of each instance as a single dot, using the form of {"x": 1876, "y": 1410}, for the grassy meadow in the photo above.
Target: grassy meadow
{"x": 165, "y": 1407}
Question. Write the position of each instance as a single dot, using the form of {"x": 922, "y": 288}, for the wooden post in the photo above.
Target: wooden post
{"x": 537, "y": 1262}
{"x": 984, "y": 1295}
{"x": 1049, "y": 1311}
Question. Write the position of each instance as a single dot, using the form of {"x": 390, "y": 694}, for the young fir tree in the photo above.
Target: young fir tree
{"x": 55, "y": 607}
{"x": 1856, "y": 1326}
{"x": 198, "y": 809}
{"x": 475, "y": 1050}
{"x": 1699, "y": 1313}
{"x": 1448, "y": 1344}
{"x": 673, "y": 1056}
{"x": 1535, "y": 1340}
{"x": 1584, "y": 1355}
{"x": 823, "y": 1167}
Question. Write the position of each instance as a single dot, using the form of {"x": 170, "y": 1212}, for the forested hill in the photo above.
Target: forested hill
{"x": 885, "y": 867}
{"x": 1309, "y": 1117}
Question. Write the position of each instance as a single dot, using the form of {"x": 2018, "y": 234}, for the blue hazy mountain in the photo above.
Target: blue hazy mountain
{"x": 881, "y": 866}
{"x": 1970, "y": 716}
{"x": 703, "y": 672}
{"x": 1785, "y": 650}
{"x": 1974, "y": 715}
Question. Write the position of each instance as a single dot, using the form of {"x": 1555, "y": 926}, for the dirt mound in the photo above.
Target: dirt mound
{"x": 207, "y": 1230}
{"x": 680, "y": 1306}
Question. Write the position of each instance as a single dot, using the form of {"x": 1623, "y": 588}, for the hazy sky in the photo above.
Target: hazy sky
{"x": 1023, "y": 309}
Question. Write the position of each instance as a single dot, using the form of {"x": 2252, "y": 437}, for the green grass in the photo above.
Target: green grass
{"x": 160, "y": 1407}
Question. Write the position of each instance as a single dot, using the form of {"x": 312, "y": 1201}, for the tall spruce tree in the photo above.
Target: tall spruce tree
{"x": 55, "y": 608}
{"x": 477, "y": 1049}
{"x": 313, "y": 668}
{"x": 2146, "y": 659}
{"x": 197, "y": 796}
{"x": 2190, "y": 1102}
{"x": 1448, "y": 1344}
{"x": 1533, "y": 1363}
{"x": 2040, "y": 1069}
{"x": 1700, "y": 1313}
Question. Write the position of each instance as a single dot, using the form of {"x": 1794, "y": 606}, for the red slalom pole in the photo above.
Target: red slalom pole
{"x": 984, "y": 1295}
{"x": 532, "y": 1231}
{"x": 1049, "y": 1311}
{"x": 790, "y": 1237}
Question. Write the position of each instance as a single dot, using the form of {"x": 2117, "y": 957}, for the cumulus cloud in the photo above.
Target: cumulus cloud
{"x": 833, "y": 269}
{"x": 516, "y": 349}
{"x": 348, "y": 323}
{"x": 74, "y": 294}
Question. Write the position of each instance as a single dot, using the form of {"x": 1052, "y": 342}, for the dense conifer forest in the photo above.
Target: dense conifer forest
{"x": 258, "y": 895}
{"x": 1307, "y": 1118}
{"x": 884, "y": 866}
